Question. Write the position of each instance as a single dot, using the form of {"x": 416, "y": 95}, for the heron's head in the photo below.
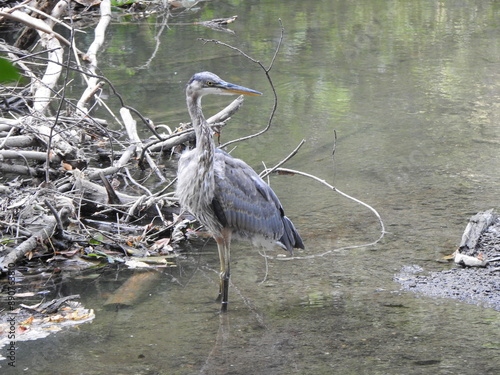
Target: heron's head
{"x": 205, "y": 83}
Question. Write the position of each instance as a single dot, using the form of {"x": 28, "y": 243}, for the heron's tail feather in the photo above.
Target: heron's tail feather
{"x": 291, "y": 238}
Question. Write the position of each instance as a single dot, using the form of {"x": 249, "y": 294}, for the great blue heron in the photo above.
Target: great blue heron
{"x": 226, "y": 195}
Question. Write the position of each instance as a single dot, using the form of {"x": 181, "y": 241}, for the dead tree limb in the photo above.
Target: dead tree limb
{"x": 35, "y": 23}
{"x": 96, "y": 193}
{"x": 30, "y": 155}
{"x": 45, "y": 86}
{"x": 476, "y": 226}
{"x": 131, "y": 127}
{"x": 188, "y": 135}
{"x": 38, "y": 237}
{"x": 17, "y": 169}
{"x": 18, "y": 141}
{"x": 91, "y": 56}
{"x": 94, "y": 174}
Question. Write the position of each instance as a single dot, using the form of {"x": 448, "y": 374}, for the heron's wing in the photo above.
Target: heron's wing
{"x": 243, "y": 201}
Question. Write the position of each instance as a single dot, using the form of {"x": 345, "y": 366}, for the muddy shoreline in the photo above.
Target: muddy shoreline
{"x": 469, "y": 284}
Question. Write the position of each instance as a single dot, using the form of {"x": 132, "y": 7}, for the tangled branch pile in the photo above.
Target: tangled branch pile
{"x": 69, "y": 184}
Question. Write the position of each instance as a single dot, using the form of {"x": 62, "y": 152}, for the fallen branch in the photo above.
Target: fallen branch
{"x": 18, "y": 169}
{"x": 18, "y": 141}
{"x": 46, "y": 232}
{"x": 91, "y": 56}
{"x": 94, "y": 174}
{"x": 31, "y": 155}
{"x": 382, "y": 227}
{"x": 131, "y": 126}
{"x": 188, "y": 135}
{"x": 267, "y": 172}
{"x": 96, "y": 193}
{"x": 34, "y": 23}
{"x": 45, "y": 86}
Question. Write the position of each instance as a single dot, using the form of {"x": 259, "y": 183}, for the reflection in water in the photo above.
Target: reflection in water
{"x": 411, "y": 89}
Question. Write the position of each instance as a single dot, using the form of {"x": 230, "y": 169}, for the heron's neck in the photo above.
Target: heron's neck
{"x": 204, "y": 143}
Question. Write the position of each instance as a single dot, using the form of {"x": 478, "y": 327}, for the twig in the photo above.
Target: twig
{"x": 334, "y": 148}
{"x": 266, "y": 70}
{"x": 382, "y": 230}
{"x": 162, "y": 191}
{"x": 134, "y": 182}
{"x": 112, "y": 196}
{"x": 59, "y": 223}
{"x": 268, "y": 171}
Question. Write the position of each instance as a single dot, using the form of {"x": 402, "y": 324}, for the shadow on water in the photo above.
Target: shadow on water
{"x": 411, "y": 88}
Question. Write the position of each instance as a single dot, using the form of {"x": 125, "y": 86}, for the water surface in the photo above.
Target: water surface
{"x": 411, "y": 90}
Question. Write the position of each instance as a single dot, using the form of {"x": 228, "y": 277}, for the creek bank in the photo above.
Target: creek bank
{"x": 475, "y": 277}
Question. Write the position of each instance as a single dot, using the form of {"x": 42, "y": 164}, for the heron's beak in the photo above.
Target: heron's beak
{"x": 235, "y": 89}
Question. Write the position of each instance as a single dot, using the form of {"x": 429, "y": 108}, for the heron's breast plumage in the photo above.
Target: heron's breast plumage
{"x": 195, "y": 188}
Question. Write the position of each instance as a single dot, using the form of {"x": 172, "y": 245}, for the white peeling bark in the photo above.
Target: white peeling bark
{"x": 91, "y": 56}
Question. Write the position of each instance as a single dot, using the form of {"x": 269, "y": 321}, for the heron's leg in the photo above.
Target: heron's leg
{"x": 220, "y": 246}
{"x": 223, "y": 244}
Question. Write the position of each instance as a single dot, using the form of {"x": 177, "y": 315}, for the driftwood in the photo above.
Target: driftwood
{"x": 46, "y": 158}
{"x": 469, "y": 253}
{"x": 219, "y": 118}
{"x": 52, "y": 306}
{"x": 92, "y": 174}
{"x": 93, "y": 84}
{"x": 40, "y": 25}
{"x": 476, "y": 226}
{"x": 47, "y": 230}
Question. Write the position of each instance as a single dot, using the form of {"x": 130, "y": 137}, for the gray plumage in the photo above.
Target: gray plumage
{"x": 224, "y": 193}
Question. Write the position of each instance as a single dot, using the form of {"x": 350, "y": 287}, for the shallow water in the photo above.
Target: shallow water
{"x": 411, "y": 89}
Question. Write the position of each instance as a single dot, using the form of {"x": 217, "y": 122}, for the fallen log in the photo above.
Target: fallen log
{"x": 96, "y": 198}
{"x": 46, "y": 232}
{"x": 19, "y": 170}
{"x": 476, "y": 226}
{"x": 19, "y": 141}
{"x": 27, "y": 155}
{"x": 469, "y": 253}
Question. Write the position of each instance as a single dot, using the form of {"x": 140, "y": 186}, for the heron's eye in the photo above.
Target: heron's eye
{"x": 210, "y": 83}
